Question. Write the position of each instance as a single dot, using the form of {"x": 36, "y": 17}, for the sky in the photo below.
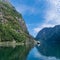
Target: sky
{"x": 38, "y": 13}
{"x": 34, "y": 54}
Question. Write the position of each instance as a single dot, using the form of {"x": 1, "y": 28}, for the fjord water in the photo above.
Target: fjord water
{"x": 14, "y": 53}
{"x": 48, "y": 54}
{"x": 28, "y": 53}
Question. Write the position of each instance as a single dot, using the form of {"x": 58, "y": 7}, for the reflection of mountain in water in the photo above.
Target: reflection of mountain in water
{"x": 34, "y": 54}
{"x": 17, "y": 53}
{"x": 50, "y": 41}
{"x": 52, "y": 51}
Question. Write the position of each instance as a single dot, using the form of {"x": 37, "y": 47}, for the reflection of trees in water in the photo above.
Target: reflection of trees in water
{"x": 17, "y": 53}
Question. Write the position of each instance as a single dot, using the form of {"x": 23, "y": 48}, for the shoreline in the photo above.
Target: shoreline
{"x": 10, "y": 44}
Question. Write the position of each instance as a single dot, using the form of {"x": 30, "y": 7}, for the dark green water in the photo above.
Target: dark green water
{"x": 14, "y": 53}
{"x": 29, "y": 53}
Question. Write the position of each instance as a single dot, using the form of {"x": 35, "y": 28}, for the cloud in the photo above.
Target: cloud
{"x": 40, "y": 27}
{"x": 25, "y": 9}
{"x": 37, "y": 29}
{"x": 35, "y": 54}
{"x": 52, "y": 16}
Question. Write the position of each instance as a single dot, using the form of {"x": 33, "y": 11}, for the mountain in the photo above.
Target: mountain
{"x": 49, "y": 41}
{"x": 49, "y": 35}
{"x": 12, "y": 24}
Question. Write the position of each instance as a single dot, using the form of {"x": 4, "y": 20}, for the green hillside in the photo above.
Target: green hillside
{"x": 12, "y": 25}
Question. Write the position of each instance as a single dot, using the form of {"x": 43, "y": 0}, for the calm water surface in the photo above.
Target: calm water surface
{"x": 28, "y": 53}
{"x": 37, "y": 53}
{"x": 14, "y": 53}
{"x": 34, "y": 54}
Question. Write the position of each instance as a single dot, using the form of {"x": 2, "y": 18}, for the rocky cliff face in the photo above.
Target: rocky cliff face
{"x": 12, "y": 25}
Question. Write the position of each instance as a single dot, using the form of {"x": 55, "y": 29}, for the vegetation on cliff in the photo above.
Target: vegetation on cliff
{"x": 12, "y": 25}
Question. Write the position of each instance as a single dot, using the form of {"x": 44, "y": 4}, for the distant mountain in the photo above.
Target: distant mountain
{"x": 12, "y": 25}
{"x": 49, "y": 41}
{"x": 49, "y": 35}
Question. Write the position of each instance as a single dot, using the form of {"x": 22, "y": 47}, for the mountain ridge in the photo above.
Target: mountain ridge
{"x": 49, "y": 35}
{"x": 49, "y": 41}
{"x": 12, "y": 25}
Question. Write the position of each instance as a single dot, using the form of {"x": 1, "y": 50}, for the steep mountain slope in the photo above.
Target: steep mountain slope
{"x": 50, "y": 41}
{"x": 50, "y": 36}
{"x": 12, "y": 25}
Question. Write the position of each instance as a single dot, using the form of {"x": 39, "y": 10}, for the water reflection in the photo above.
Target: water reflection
{"x": 20, "y": 52}
{"x": 36, "y": 55}
{"x": 17, "y": 53}
{"x": 52, "y": 51}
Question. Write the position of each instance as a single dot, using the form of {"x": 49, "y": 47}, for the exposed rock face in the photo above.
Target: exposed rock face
{"x": 4, "y": 0}
{"x": 12, "y": 25}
